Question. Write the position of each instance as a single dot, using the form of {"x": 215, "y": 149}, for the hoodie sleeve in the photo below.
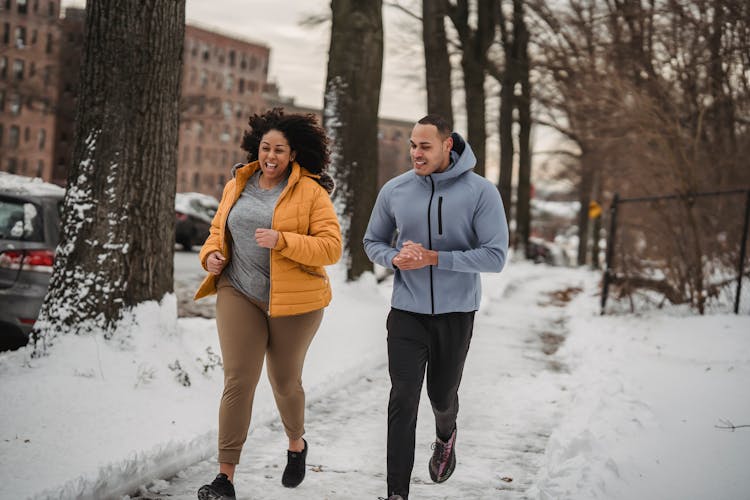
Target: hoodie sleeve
{"x": 380, "y": 231}
{"x": 491, "y": 229}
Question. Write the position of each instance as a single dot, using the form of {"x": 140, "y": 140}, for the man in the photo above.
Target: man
{"x": 450, "y": 226}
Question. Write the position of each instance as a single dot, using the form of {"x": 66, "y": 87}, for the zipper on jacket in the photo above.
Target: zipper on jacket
{"x": 270, "y": 250}
{"x": 440, "y": 215}
{"x": 429, "y": 241}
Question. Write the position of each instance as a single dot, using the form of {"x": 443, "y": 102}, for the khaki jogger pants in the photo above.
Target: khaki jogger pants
{"x": 247, "y": 335}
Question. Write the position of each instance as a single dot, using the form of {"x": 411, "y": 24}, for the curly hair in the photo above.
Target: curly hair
{"x": 306, "y": 138}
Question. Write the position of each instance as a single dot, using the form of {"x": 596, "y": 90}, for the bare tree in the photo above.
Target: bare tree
{"x": 437, "y": 61}
{"x": 117, "y": 245}
{"x": 475, "y": 42}
{"x": 350, "y": 117}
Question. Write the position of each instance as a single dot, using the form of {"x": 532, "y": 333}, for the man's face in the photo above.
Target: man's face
{"x": 429, "y": 152}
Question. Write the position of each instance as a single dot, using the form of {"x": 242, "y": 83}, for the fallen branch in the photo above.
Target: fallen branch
{"x": 727, "y": 424}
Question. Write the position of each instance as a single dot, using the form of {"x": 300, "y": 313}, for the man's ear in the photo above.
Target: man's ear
{"x": 449, "y": 142}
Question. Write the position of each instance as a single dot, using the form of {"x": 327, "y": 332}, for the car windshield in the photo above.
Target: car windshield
{"x": 20, "y": 220}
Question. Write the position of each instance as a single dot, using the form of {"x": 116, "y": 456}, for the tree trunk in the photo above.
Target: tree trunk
{"x": 523, "y": 104}
{"x": 584, "y": 197}
{"x": 437, "y": 63}
{"x": 505, "y": 180}
{"x": 117, "y": 245}
{"x": 475, "y": 42}
{"x": 350, "y": 117}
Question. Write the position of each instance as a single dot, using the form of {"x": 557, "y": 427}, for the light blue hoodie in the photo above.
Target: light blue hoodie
{"x": 456, "y": 212}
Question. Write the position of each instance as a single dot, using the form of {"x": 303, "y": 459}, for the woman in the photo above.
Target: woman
{"x": 273, "y": 232}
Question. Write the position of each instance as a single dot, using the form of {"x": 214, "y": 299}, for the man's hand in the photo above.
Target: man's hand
{"x": 266, "y": 238}
{"x": 414, "y": 256}
{"x": 215, "y": 263}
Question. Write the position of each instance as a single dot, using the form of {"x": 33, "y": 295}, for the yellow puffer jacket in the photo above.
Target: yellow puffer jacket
{"x": 309, "y": 238}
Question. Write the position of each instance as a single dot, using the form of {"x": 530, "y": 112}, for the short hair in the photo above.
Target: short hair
{"x": 442, "y": 125}
{"x": 306, "y": 138}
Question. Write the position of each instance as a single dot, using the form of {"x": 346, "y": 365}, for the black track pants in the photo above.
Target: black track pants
{"x": 415, "y": 342}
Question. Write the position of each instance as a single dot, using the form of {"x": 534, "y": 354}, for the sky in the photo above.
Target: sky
{"x": 299, "y": 55}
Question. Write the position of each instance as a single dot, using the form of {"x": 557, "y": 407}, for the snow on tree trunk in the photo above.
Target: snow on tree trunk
{"x": 350, "y": 117}
{"x": 117, "y": 243}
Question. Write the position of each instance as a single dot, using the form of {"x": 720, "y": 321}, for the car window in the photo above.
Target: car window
{"x": 21, "y": 221}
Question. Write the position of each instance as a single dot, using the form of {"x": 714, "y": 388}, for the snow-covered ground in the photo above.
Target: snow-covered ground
{"x": 556, "y": 402}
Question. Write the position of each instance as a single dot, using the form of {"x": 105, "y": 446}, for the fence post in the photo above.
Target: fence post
{"x": 743, "y": 250}
{"x": 607, "y": 277}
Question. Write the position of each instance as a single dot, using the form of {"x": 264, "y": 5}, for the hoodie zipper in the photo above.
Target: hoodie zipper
{"x": 429, "y": 241}
{"x": 440, "y": 215}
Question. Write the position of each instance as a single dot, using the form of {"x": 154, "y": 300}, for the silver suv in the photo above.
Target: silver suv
{"x": 29, "y": 232}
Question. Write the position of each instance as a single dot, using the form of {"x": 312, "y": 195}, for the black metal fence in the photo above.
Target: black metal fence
{"x": 610, "y": 276}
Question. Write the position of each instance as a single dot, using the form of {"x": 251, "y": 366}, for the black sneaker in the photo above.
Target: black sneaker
{"x": 220, "y": 489}
{"x": 443, "y": 459}
{"x": 294, "y": 472}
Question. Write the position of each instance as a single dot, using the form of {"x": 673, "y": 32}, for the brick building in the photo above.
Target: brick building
{"x": 225, "y": 80}
{"x": 29, "y": 57}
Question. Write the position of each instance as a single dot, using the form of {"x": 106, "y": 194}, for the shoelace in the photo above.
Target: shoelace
{"x": 444, "y": 450}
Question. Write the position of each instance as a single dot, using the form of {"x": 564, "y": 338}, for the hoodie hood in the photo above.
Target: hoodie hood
{"x": 462, "y": 160}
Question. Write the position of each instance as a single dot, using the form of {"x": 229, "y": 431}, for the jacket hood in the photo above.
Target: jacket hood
{"x": 462, "y": 160}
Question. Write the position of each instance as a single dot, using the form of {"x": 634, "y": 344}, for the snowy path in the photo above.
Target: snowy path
{"x": 510, "y": 397}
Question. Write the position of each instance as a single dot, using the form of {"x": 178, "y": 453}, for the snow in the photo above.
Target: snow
{"x": 29, "y": 185}
{"x": 627, "y": 407}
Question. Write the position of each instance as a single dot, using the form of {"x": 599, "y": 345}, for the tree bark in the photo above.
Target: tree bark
{"x": 117, "y": 245}
{"x": 350, "y": 118}
{"x": 475, "y": 42}
{"x": 437, "y": 62}
{"x": 523, "y": 104}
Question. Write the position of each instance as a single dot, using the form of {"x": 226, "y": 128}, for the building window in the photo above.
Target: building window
{"x": 34, "y": 34}
{"x": 23, "y": 166}
{"x": 18, "y": 65}
{"x": 32, "y": 69}
{"x": 41, "y": 138}
{"x": 204, "y": 78}
{"x": 229, "y": 83}
{"x": 206, "y": 54}
{"x": 48, "y": 49}
{"x": 232, "y": 57}
{"x": 26, "y": 134}
{"x": 6, "y": 33}
{"x": 1, "y": 134}
{"x": 51, "y": 10}
{"x": 40, "y": 168}
{"x": 196, "y": 181}
{"x": 7, "y": 4}
{"x": 241, "y": 86}
{"x": 15, "y": 104}
{"x": 2, "y": 100}
{"x": 198, "y": 155}
{"x": 12, "y": 165}
{"x": 3, "y": 67}
{"x": 22, "y": 6}
{"x": 36, "y": 6}
{"x": 186, "y": 154}
{"x": 20, "y": 36}
{"x": 13, "y": 136}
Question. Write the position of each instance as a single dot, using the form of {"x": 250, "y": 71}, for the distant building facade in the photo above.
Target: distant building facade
{"x": 29, "y": 57}
{"x": 224, "y": 81}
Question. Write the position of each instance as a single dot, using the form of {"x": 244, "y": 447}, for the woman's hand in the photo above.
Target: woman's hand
{"x": 215, "y": 263}
{"x": 266, "y": 238}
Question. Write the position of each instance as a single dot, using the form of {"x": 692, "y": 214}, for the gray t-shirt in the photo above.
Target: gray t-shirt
{"x": 249, "y": 268}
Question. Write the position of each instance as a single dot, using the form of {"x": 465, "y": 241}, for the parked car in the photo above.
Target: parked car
{"x": 29, "y": 232}
{"x": 193, "y": 215}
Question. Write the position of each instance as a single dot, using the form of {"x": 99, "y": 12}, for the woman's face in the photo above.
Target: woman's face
{"x": 274, "y": 155}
